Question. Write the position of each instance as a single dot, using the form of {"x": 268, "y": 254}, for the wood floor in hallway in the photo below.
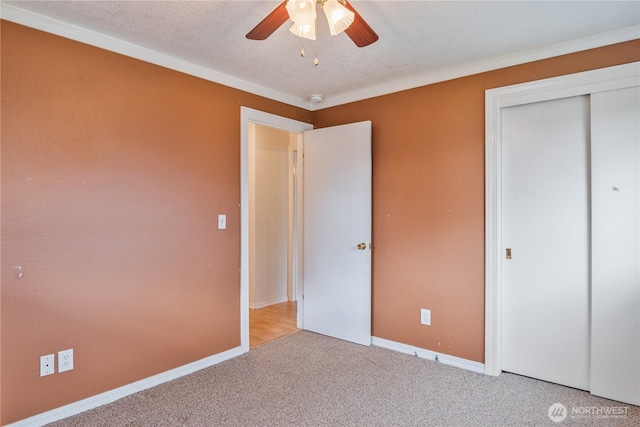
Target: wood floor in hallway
{"x": 269, "y": 323}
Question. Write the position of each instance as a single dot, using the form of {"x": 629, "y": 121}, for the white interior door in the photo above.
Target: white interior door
{"x": 337, "y": 218}
{"x": 546, "y": 226}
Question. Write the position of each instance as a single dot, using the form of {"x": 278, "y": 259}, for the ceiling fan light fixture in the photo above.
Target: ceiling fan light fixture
{"x": 303, "y": 15}
{"x": 358, "y": 30}
{"x": 339, "y": 17}
{"x": 295, "y": 8}
{"x": 304, "y": 30}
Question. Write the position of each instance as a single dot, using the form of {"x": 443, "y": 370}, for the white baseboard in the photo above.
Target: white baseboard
{"x": 268, "y": 303}
{"x": 124, "y": 391}
{"x": 458, "y": 362}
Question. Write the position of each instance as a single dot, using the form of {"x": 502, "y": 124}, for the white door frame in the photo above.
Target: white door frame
{"x": 248, "y": 115}
{"x": 605, "y": 79}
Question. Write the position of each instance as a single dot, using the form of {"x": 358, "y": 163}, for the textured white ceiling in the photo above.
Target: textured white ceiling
{"x": 417, "y": 38}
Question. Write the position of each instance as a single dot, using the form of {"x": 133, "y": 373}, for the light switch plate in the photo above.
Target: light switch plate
{"x": 425, "y": 316}
{"x": 222, "y": 222}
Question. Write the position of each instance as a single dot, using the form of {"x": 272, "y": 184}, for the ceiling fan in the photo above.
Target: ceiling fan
{"x": 340, "y": 14}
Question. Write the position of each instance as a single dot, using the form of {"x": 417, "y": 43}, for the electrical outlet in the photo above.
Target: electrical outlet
{"x": 47, "y": 365}
{"x": 65, "y": 360}
{"x": 425, "y": 316}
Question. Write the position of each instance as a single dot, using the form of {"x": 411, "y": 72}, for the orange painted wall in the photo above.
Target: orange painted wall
{"x": 428, "y": 200}
{"x": 113, "y": 174}
{"x": 114, "y": 170}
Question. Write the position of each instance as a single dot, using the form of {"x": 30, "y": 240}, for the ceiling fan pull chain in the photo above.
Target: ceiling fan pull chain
{"x": 315, "y": 60}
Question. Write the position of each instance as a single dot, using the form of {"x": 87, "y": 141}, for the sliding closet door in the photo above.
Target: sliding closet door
{"x": 545, "y": 230}
{"x": 615, "y": 166}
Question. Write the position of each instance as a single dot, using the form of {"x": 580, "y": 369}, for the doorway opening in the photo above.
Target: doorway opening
{"x": 337, "y": 219}
{"x": 273, "y": 236}
{"x": 250, "y": 118}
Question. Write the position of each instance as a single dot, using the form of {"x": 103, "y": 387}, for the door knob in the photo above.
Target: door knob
{"x": 362, "y": 246}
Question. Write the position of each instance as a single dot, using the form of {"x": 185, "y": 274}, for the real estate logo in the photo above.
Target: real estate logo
{"x": 557, "y": 412}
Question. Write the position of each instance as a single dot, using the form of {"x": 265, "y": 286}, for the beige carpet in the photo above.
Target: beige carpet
{"x": 306, "y": 379}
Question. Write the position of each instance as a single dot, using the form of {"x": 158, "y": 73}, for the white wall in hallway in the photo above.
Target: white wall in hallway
{"x": 268, "y": 215}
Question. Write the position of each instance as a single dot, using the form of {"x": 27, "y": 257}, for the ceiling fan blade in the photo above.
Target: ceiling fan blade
{"x": 272, "y": 22}
{"x": 359, "y": 31}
